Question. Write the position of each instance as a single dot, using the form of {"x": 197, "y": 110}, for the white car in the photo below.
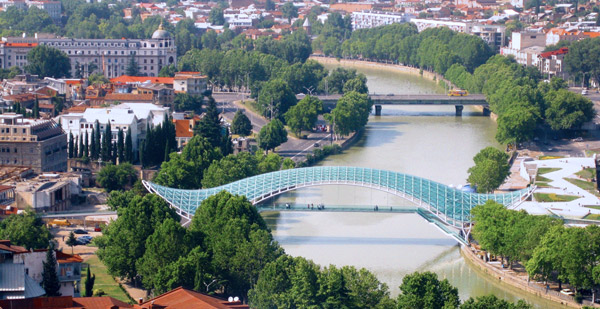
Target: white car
{"x": 584, "y": 92}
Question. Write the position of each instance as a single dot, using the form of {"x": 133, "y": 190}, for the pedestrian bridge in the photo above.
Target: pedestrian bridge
{"x": 450, "y": 205}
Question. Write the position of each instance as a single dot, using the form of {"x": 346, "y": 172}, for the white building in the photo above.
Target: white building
{"x": 192, "y": 83}
{"x": 525, "y": 47}
{"x": 371, "y": 19}
{"x": 110, "y": 56}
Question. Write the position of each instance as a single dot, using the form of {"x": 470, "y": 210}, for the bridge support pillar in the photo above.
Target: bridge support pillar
{"x": 459, "y": 109}
{"x": 377, "y": 110}
{"x": 486, "y": 111}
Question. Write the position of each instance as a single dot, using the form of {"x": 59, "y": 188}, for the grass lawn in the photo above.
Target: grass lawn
{"x": 588, "y": 173}
{"x": 592, "y": 217}
{"x": 546, "y": 170}
{"x": 542, "y": 178}
{"x": 543, "y": 184}
{"x": 551, "y": 197}
{"x": 549, "y": 157}
{"x": 593, "y": 207}
{"x": 104, "y": 280}
{"x": 585, "y": 185}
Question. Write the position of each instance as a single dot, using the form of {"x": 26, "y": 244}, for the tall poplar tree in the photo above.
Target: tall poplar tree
{"x": 75, "y": 150}
{"x": 120, "y": 146}
{"x": 81, "y": 151}
{"x": 93, "y": 150}
{"x": 86, "y": 145}
{"x": 50, "y": 281}
{"x": 97, "y": 134}
{"x": 128, "y": 146}
{"x": 106, "y": 152}
{"x": 71, "y": 145}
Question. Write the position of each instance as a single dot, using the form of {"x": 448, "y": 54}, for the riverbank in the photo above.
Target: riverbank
{"x": 519, "y": 280}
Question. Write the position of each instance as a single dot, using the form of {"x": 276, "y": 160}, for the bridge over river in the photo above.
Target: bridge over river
{"x": 415, "y": 99}
{"x": 449, "y": 205}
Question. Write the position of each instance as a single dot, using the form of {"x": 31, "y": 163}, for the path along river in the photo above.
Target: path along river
{"x": 424, "y": 141}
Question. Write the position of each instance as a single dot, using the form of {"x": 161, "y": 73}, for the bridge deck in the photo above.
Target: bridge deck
{"x": 415, "y": 99}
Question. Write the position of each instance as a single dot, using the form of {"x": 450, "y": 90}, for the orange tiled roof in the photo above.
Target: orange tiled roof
{"x": 140, "y": 79}
{"x": 184, "y": 298}
{"x": 99, "y": 302}
{"x": 182, "y": 128}
{"x": 128, "y": 97}
{"x": 592, "y": 34}
{"x": 20, "y": 44}
{"x": 7, "y": 246}
{"x": 62, "y": 257}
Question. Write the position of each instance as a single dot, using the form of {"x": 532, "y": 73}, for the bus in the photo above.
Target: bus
{"x": 458, "y": 93}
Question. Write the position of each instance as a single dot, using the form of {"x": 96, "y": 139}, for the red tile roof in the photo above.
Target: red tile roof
{"x": 7, "y": 246}
{"x": 20, "y": 44}
{"x": 184, "y": 298}
{"x": 62, "y": 257}
{"x": 560, "y": 51}
{"x": 103, "y": 302}
{"x": 182, "y": 128}
{"x": 124, "y": 79}
{"x": 65, "y": 302}
{"x": 129, "y": 97}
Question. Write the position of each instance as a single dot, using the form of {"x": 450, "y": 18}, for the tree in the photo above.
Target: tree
{"x": 106, "y": 148}
{"x": 98, "y": 79}
{"x": 132, "y": 67}
{"x": 424, "y": 290}
{"x": 209, "y": 126}
{"x": 120, "y": 146}
{"x": 89, "y": 282}
{"x": 186, "y": 102}
{"x": 241, "y": 124}
{"x": 304, "y": 115}
{"x": 216, "y": 16}
{"x": 128, "y": 147}
{"x": 116, "y": 177}
{"x": 46, "y": 61}
{"x": 492, "y": 301}
{"x": 97, "y": 140}
{"x": 275, "y": 98}
{"x": 50, "y": 281}
{"x": 289, "y": 11}
{"x": 580, "y": 62}
{"x": 490, "y": 170}
{"x": 27, "y": 230}
{"x": 272, "y": 135}
{"x": 168, "y": 70}
{"x": 123, "y": 242}
{"x": 81, "y": 148}
{"x": 71, "y": 241}
{"x": 516, "y": 125}
{"x": 71, "y": 145}
{"x": 567, "y": 110}
{"x": 351, "y": 113}
{"x": 36, "y": 108}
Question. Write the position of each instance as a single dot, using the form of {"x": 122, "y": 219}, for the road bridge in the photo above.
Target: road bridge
{"x": 449, "y": 205}
{"x": 415, "y": 99}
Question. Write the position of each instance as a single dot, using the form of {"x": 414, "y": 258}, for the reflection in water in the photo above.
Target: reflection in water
{"x": 426, "y": 141}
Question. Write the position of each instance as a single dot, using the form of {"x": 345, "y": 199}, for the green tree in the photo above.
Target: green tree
{"x": 490, "y": 170}
{"x": 275, "y": 98}
{"x": 123, "y": 242}
{"x": 128, "y": 147}
{"x": 351, "y": 113}
{"x": 50, "y": 281}
{"x": 272, "y": 135}
{"x": 516, "y": 125}
{"x": 116, "y": 177}
{"x": 425, "y": 290}
{"x": 36, "y": 108}
{"x": 209, "y": 126}
{"x": 106, "y": 148}
{"x": 27, "y": 230}
{"x": 71, "y": 145}
{"x": 168, "y": 71}
{"x": 304, "y": 115}
{"x": 241, "y": 124}
{"x": 580, "y": 59}
{"x": 216, "y": 16}
{"x": 71, "y": 241}
{"x": 132, "y": 67}
{"x": 120, "y": 146}
{"x": 492, "y": 301}
{"x": 47, "y": 61}
{"x": 98, "y": 79}
{"x": 567, "y": 110}
{"x": 81, "y": 148}
{"x": 289, "y": 11}
{"x": 186, "y": 102}
{"x": 89, "y": 282}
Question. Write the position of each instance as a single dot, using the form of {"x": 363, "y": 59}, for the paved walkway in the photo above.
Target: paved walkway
{"x": 568, "y": 168}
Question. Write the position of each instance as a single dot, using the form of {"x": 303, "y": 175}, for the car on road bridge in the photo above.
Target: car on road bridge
{"x": 458, "y": 93}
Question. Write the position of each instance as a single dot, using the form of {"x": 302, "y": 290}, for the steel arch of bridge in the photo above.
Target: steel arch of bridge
{"x": 450, "y": 205}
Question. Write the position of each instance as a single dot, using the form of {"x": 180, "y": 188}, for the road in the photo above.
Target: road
{"x": 294, "y": 148}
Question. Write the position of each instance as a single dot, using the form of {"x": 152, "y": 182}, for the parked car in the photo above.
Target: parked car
{"x": 567, "y": 292}
{"x": 584, "y": 92}
{"x": 317, "y": 145}
{"x": 83, "y": 241}
{"x": 97, "y": 229}
{"x": 59, "y": 222}
{"x": 80, "y": 231}
{"x": 579, "y": 139}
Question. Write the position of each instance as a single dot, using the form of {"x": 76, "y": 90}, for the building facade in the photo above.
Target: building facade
{"x": 371, "y": 19}
{"x": 192, "y": 83}
{"x": 39, "y": 144}
{"x": 110, "y": 56}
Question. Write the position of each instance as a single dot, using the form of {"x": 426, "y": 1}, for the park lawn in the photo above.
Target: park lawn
{"x": 546, "y": 170}
{"x": 104, "y": 280}
{"x": 543, "y": 184}
{"x": 587, "y": 173}
{"x": 592, "y": 217}
{"x": 542, "y": 178}
{"x": 593, "y": 207}
{"x": 549, "y": 157}
{"x": 585, "y": 185}
{"x": 552, "y": 197}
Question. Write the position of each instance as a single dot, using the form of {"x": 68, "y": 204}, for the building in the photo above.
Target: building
{"x": 551, "y": 63}
{"x": 53, "y": 8}
{"x": 192, "y": 83}
{"x": 110, "y": 56}
{"x": 184, "y": 131}
{"x": 184, "y": 298}
{"x": 525, "y": 47}
{"x": 39, "y": 144}
{"x": 41, "y": 196}
{"x": 372, "y": 19}
{"x": 493, "y": 35}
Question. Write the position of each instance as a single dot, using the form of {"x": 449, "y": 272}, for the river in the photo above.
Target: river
{"x": 425, "y": 141}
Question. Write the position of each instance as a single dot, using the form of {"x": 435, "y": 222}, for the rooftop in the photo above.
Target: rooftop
{"x": 184, "y": 298}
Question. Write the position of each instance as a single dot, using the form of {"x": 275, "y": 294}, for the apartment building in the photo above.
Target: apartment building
{"x": 192, "y": 83}
{"x": 39, "y": 144}
{"x": 371, "y": 19}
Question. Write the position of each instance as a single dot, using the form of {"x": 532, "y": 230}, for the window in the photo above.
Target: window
{"x": 24, "y": 131}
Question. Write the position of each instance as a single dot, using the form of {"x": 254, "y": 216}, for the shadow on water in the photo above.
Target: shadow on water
{"x": 275, "y": 222}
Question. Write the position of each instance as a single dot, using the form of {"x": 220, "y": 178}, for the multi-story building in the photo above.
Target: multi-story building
{"x": 551, "y": 63}
{"x": 110, "y": 56}
{"x": 372, "y": 19}
{"x": 525, "y": 47}
{"x": 53, "y": 8}
{"x": 493, "y": 35}
{"x": 39, "y": 144}
{"x": 192, "y": 83}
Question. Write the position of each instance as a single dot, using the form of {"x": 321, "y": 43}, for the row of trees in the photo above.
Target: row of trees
{"x": 549, "y": 250}
{"x": 521, "y": 101}
{"x": 99, "y": 145}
